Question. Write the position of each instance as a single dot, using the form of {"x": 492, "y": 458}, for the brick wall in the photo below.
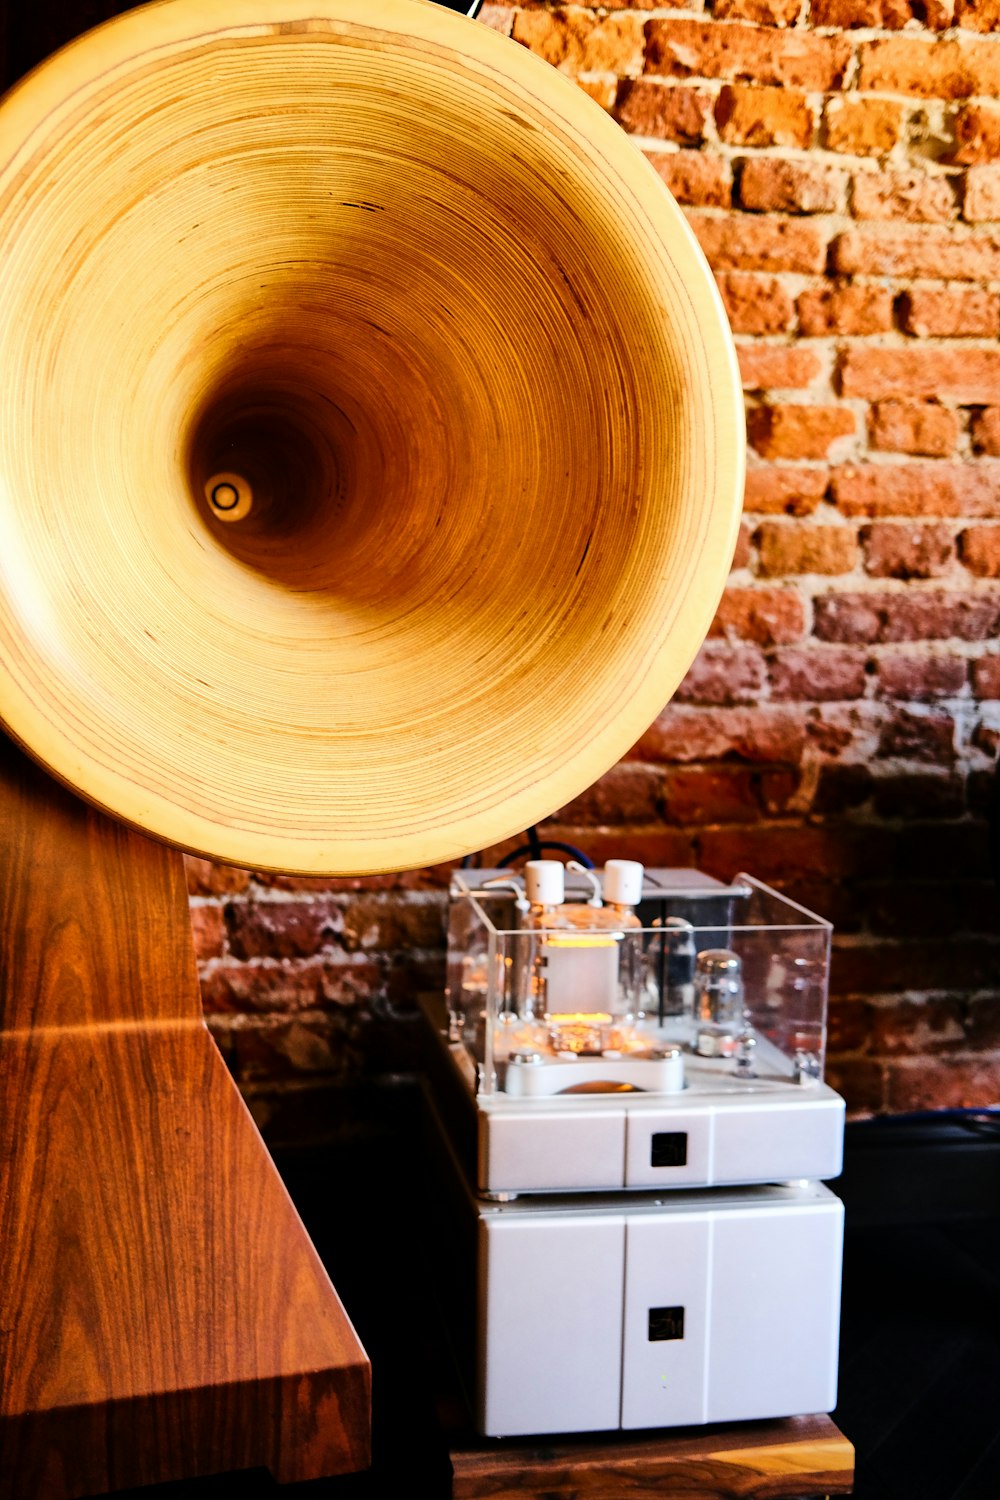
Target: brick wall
{"x": 838, "y": 733}
{"x": 840, "y": 164}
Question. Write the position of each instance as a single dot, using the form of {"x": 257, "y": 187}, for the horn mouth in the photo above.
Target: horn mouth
{"x": 414, "y": 295}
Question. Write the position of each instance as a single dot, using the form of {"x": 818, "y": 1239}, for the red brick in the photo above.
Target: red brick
{"x": 768, "y": 616}
{"x": 779, "y": 788}
{"x": 913, "y": 197}
{"x": 774, "y": 185}
{"x": 836, "y": 729}
{"x": 661, "y": 112}
{"x": 953, "y": 68}
{"x": 986, "y": 431}
{"x": 978, "y": 15}
{"x": 735, "y": 243}
{"x": 310, "y": 1044}
{"x": 943, "y": 1083}
{"x": 786, "y": 548}
{"x": 682, "y": 47}
{"x": 886, "y": 967}
{"x": 915, "y": 796}
{"x": 775, "y": 491}
{"x": 701, "y": 795}
{"x": 724, "y": 674}
{"x": 842, "y": 786}
{"x": 919, "y": 489}
{"x": 950, "y": 312}
{"x": 777, "y": 367}
{"x": 755, "y": 304}
{"x": 628, "y": 793}
{"x": 292, "y": 986}
{"x": 987, "y": 739}
{"x": 982, "y": 194}
{"x": 373, "y": 921}
{"x": 906, "y": 1027}
{"x": 983, "y": 1014}
{"x": 830, "y": 734}
{"x": 601, "y": 87}
{"x": 792, "y": 851}
{"x": 845, "y": 309}
{"x": 977, "y": 134}
{"x": 205, "y": 878}
{"x": 817, "y": 674}
{"x": 749, "y": 116}
{"x": 763, "y": 733}
{"x": 889, "y": 15}
{"x": 874, "y": 618}
{"x": 575, "y": 41}
{"x": 741, "y": 554}
{"x": 409, "y": 975}
{"x": 208, "y": 930}
{"x": 694, "y": 177}
{"x": 798, "y": 431}
{"x": 967, "y": 375}
{"x": 894, "y": 549}
{"x": 950, "y": 254}
{"x": 986, "y": 677}
{"x": 765, "y": 12}
{"x": 295, "y": 928}
{"x": 919, "y": 427}
{"x": 979, "y": 549}
{"x": 862, "y": 127}
{"x": 654, "y": 847}
{"x": 938, "y": 15}
{"x": 935, "y": 1027}
{"x": 914, "y": 679}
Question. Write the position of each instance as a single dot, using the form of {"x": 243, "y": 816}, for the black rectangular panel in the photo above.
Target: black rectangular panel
{"x": 668, "y": 1148}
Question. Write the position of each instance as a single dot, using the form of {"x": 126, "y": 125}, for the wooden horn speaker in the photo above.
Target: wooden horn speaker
{"x": 370, "y": 468}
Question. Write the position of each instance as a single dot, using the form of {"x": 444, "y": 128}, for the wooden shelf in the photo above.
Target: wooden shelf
{"x": 762, "y": 1460}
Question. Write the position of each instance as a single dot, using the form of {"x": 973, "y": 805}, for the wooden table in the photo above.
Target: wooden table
{"x": 799, "y": 1456}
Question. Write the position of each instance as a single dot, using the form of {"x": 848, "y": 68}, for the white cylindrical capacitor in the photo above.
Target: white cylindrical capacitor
{"x": 623, "y": 882}
{"x": 545, "y": 882}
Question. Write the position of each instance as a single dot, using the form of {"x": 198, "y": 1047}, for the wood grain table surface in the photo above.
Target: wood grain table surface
{"x": 764, "y": 1460}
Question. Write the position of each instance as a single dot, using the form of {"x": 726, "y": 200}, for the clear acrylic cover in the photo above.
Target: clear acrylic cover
{"x": 701, "y": 984}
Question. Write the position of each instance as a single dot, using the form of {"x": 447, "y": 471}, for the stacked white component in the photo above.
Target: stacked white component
{"x": 626, "y": 1141}
{"x": 703, "y": 1307}
{"x": 625, "y": 1070}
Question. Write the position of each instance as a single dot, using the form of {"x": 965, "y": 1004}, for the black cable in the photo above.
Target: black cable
{"x": 540, "y": 846}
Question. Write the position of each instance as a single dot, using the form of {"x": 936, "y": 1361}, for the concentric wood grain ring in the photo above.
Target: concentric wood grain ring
{"x": 428, "y": 302}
